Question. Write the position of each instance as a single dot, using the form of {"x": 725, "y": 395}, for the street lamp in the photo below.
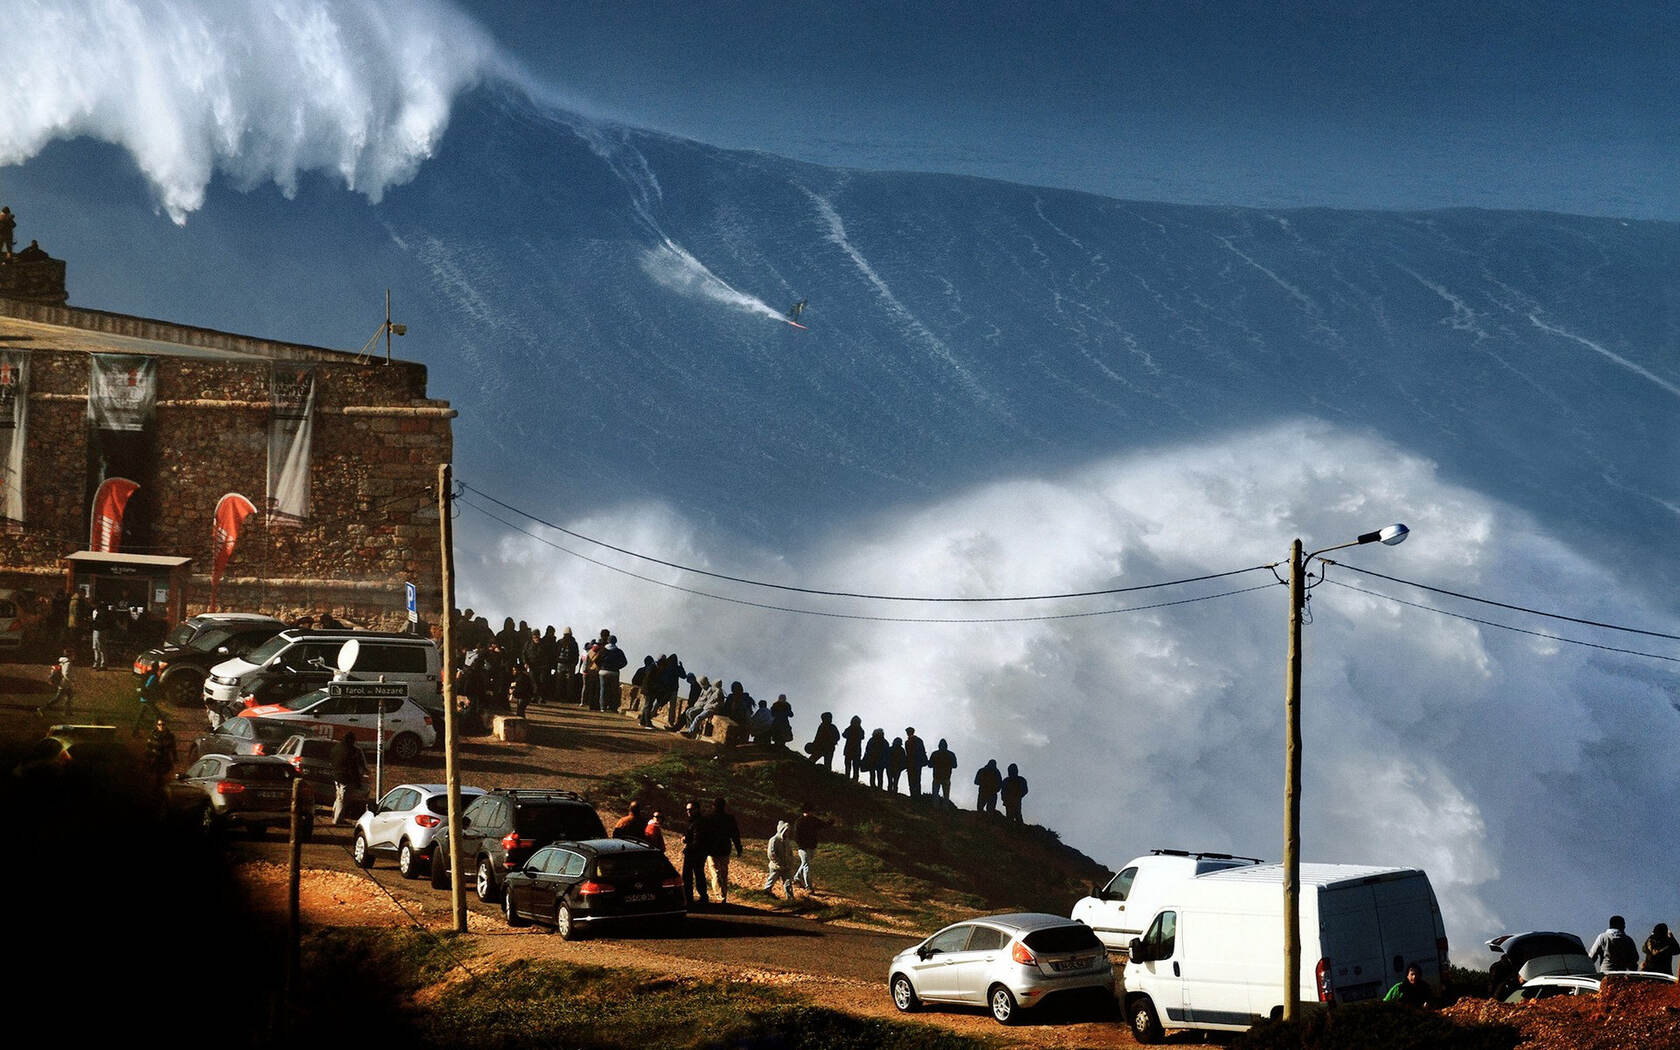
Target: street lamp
{"x": 1390, "y": 536}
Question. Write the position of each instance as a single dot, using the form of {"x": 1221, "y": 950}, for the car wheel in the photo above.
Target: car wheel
{"x": 408, "y": 861}
{"x": 563, "y": 924}
{"x": 1146, "y": 1027}
{"x": 405, "y": 747}
{"x": 1002, "y": 1004}
{"x": 183, "y": 690}
{"x": 485, "y": 883}
{"x": 904, "y": 994}
{"x": 510, "y": 913}
{"x": 360, "y": 852}
{"x": 439, "y": 873}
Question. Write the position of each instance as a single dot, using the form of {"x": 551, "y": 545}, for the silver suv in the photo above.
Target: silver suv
{"x": 1007, "y": 963}
{"x": 408, "y": 821}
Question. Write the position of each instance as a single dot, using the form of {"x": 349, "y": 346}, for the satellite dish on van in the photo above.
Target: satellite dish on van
{"x": 347, "y": 654}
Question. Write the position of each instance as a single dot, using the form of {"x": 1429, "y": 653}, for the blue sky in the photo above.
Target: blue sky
{"x": 1555, "y": 106}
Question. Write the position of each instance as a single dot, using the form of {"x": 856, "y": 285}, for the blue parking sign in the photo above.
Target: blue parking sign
{"x": 413, "y": 605}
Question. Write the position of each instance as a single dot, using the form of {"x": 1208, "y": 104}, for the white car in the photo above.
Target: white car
{"x": 1006, "y": 963}
{"x": 409, "y": 821}
{"x": 1577, "y": 984}
{"x": 408, "y": 727}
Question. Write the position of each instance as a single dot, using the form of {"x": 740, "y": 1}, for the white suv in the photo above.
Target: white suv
{"x": 405, "y": 658}
{"x": 408, "y": 727}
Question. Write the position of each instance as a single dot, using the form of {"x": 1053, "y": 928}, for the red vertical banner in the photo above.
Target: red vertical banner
{"x": 108, "y": 504}
{"x": 231, "y": 512}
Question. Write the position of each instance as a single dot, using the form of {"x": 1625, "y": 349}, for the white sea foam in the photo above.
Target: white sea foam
{"x": 1495, "y": 761}
{"x": 260, "y": 91}
{"x": 672, "y": 266}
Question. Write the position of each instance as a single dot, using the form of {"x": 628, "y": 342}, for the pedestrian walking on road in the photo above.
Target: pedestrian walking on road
{"x": 725, "y": 833}
{"x": 987, "y": 781}
{"x": 348, "y": 769}
{"x": 58, "y": 676}
{"x": 160, "y": 754}
{"x": 697, "y": 838}
{"x": 783, "y": 860}
{"x": 807, "y": 831}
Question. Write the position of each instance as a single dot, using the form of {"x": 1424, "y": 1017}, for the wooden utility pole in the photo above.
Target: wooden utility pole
{"x": 452, "y": 771}
{"x": 303, "y": 814}
{"x": 1292, "y": 790}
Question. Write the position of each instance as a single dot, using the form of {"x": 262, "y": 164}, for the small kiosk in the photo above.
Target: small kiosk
{"x": 156, "y": 583}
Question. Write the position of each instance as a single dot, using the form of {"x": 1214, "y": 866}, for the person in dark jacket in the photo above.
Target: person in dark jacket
{"x": 875, "y": 758}
{"x": 853, "y": 753}
{"x": 895, "y": 764}
{"x": 988, "y": 781}
{"x": 697, "y": 838}
{"x": 521, "y": 688}
{"x": 725, "y": 832}
{"x": 781, "y": 721}
{"x": 160, "y": 753}
{"x": 1660, "y": 950}
{"x": 1013, "y": 790}
{"x": 348, "y": 767}
{"x": 942, "y": 762}
{"x": 821, "y": 748}
{"x": 806, "y": 832}
{"x": 609, "y": 663}
{"x": 915, "y": 760}
{"x": 566, "y": 665}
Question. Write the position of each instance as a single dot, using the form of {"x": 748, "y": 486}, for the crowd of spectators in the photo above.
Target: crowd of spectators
{"x": 507, "y": 670}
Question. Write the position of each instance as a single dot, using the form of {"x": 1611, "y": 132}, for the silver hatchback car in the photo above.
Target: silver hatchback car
{"x": 1006, "y": 963}
{"x": 407, "y": 822}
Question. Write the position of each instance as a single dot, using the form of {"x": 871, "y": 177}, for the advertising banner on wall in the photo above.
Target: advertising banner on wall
{"x": 14, "y": 431}
{"x": 231, "y": 512}
{"x": 122, "y": 445}
{"x": 291, "y": 428}
{"x": 110, "y": 502}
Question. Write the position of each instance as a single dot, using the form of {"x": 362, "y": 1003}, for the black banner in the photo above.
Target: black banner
{"x": 122, "y": 440}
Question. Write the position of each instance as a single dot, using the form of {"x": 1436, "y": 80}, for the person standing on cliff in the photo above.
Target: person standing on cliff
{"x": 915, "y": 760}
{"x": 8, "y": 230}
{"x": 942, "y": 762}
{"x": 987, "y": 781}
{"x": 853, "y": 752}
{"x": 1013, "y": 790}
{"x": 566, "y": 665}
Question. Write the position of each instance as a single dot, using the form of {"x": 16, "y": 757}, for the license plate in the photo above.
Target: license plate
{"x": 1071, "y": 964}
{"x": 637, "y": 898}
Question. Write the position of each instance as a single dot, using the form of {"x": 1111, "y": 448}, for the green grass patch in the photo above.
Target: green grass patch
{"x": 921, "y": 859}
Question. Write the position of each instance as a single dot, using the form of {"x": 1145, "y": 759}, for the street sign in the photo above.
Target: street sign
{"x": 413, "y": 605}
{"x": 367, "y": 689}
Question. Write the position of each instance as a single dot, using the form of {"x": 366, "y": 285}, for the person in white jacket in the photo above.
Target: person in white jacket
{"x": 784, "y": 859}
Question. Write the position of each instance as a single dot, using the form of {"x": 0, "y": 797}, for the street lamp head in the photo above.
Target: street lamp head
{"x": 1389, "y": 535}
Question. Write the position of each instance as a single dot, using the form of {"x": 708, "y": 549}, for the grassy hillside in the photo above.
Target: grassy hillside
{"x": 906, "y": 862}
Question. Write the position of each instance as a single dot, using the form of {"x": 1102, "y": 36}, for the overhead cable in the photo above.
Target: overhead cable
{"x": 1502, "y": 626}
{"x": 837, "y": 594}
{"x": 851, "y": 616}
{"x": 1503, "y": 605}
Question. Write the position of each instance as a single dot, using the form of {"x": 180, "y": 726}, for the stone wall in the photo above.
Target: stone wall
{"x": 376, "y": 447}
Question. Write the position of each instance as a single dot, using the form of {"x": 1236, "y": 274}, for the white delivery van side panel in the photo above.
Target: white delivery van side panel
{"x": 1376, "y": 927}
{"x": 1226, "y": 966}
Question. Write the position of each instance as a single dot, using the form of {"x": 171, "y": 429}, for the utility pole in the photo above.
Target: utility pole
{"x": 452, "y": 771}
{"x": 1292, "y": 790}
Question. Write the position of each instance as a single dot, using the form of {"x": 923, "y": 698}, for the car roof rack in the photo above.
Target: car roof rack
{"x": 559, "y": 793}
{"x": 1203, "y": 855}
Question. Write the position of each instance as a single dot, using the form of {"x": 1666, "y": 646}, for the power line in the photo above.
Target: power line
{"x": 1502, "y": 626}
{"x": 853, "y": 616}
{"x": 828, "y": 593}
{"x": 1503, "y": 605}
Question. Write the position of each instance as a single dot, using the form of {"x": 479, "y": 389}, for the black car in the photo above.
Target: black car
{"x": 281, "y": 684}
{"x": 249, "y": 791}
{"x": 197, "y": 644}
{"x": 243, "y": 736}
{"x": 502, "y": 828}
{"x": 574, "y": 885}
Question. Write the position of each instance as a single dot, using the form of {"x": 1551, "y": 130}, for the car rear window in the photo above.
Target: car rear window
{"x": 271, "y": 732}
{"x": 1545, "y": 944}
{"x": 259, "y": 771}
{"x": 438, "y": 804}
{"x": 1076, "y": 937}
{"x": 553, "y": 823}
{"x": 622, "y": 865}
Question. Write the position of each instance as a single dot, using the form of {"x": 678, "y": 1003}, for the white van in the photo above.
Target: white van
{"x": 1121, "y": 910}
{"x": 405, "y": 658}
{"x": 1212, "y": 956}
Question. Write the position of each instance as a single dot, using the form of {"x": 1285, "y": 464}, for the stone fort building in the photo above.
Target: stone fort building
{"x": 166, "y": 466}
